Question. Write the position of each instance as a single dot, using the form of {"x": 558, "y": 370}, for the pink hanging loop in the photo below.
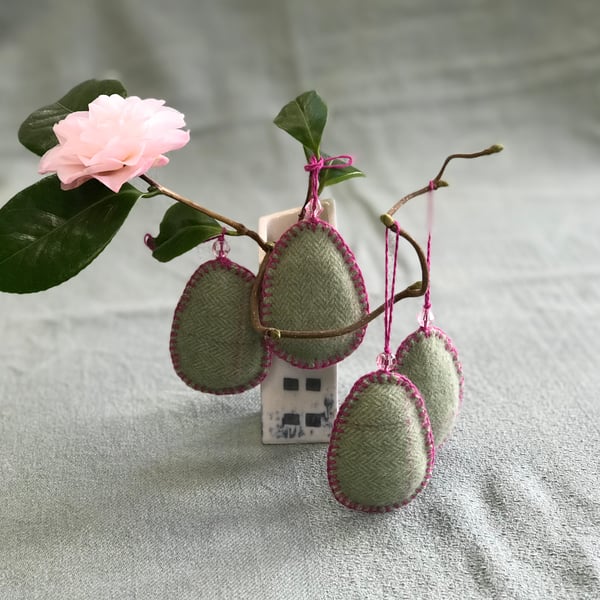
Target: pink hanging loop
{"x": 386, "y": 361}
{"x": 427, "y": 316}
{"x": 314, "y": 167}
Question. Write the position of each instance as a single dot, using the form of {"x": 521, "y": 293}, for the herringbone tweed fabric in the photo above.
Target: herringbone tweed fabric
{"x": 430, "y": 361}
{"x": 381, "y": 451}
{"x": 312, "y": 282}
{"x": 213, "y": 345}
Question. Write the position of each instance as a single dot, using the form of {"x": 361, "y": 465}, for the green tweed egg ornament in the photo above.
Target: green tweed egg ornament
{"x": 430, "y": 360}
{"x": 312, "y": 282}
{"x": 213, "y": 346}
{"x": 381, "y": 453}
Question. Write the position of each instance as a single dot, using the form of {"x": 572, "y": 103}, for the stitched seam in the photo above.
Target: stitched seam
{"x": 338, "y": 430}
{"x": 412, "y": 339}
{"x": 265, "y": 309}
{"x": 203, "y": 269}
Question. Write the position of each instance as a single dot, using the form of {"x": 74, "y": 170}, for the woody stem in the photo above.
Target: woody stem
{"x": 240, "y": 228}
{"x": 437, "y": 181}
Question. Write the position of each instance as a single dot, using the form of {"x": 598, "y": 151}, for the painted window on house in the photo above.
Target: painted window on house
{"x": 313, "y": 384}
{"x": 291, "y": 384}
{"x": 313, "y": 419}
{"x": 291, "y": 419}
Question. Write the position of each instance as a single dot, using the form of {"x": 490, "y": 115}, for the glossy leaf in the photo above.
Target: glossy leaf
{"x": 304, "y": 118}
{"x": 36, "y": 132}
{"x": 182, "y": 229}
{"x": 333, "y": 176}
{"x": 48, "y": 235}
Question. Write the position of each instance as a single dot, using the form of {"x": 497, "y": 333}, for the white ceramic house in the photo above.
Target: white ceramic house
{"x": 298, "y": 405}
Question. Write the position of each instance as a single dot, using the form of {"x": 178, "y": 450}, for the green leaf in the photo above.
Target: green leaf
{"x": 333, "y": 176}
{"x": 36, "y": 132}
{"x": 48, "y": 235}
{"x": 182, "y": 229}
{"x": 304, "y": 119}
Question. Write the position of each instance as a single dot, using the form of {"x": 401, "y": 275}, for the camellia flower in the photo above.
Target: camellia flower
{"x": 114, "y": 141}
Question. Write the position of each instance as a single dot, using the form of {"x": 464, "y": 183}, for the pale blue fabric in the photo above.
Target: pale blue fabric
{"x": 118, "y": 481}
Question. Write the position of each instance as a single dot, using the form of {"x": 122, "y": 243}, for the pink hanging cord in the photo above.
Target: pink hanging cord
{"x": 386, "y": 360}
{"x": 314, "y": 167}
{"x": 427, "y": 315}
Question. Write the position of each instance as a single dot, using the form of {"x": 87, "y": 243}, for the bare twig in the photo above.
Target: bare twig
{"x": 240, "y": 228}
{"x": 437, "y": 181}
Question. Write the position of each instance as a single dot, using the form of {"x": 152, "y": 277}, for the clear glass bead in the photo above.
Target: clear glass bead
{"x": 386, "y": 361}
{"x": 313, "y": 210}
{"x": 426, "y": 317}
{"x": 221, "y": 248}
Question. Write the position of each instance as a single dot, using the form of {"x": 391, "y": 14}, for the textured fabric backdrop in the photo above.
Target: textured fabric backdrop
{"x": 118, "y": 481}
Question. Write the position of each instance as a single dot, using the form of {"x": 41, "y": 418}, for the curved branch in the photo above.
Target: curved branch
{"x": 437, "y": 181}
{"x": 240, "y": 228}
{"x": 494, "y": 149}
{"x": 412, "y": 291}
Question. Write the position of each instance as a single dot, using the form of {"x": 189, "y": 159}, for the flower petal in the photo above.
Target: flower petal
{"x": 116, "y": 140}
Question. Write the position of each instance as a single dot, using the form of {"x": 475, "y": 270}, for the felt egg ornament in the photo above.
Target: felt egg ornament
{"x": 312, "y": 283}
{"x": 381, "y": 451}
{"x": 213, "y": 346}
{"x": 430, "y": 360}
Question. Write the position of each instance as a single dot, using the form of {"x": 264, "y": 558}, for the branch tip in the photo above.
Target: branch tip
{"x": 437, "y": 181}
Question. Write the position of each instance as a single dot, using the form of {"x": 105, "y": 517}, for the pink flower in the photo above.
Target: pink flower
{"x": 116, "y": 140}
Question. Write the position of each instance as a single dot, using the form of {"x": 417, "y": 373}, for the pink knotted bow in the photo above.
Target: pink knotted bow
{"x": 314, "y": 167}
